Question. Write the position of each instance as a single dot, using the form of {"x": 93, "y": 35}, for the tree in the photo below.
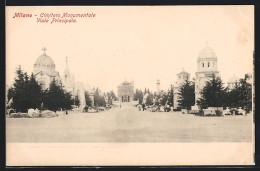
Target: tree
{"x": 76, "y": 100}
{"x": 231, "y": 97}
{"x": 186, "y": 94}
{"x": 163, "y": 99}
{"x": 138, "y": 95}
{"x": 88, "y": 99}
{"x": 157, "y": 98}
{"x": 56, "y": 98}
{"x": 99, "y": 100}
{"x": 34, "y": 92}
{"x": 113, "y": 95}
{"x": 212, "y": 94}
{"x": 25, "y": 92}
{"x": 18, "y": 91}
{"x": 149, "y": 99}
{"x": 245, "y": 93}
{"x": 170, "y": 96}
{"x": 240, "y": 95}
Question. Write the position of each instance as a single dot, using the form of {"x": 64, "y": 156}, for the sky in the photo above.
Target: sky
{"x": 132, "y": 43}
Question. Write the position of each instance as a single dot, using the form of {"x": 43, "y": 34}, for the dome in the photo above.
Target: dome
{"x": 44, "y": 60}
{"x": 183, "y": 73}
{"x": 207, "y": 52}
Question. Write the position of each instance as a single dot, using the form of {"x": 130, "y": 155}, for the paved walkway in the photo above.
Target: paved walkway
{"x": 128, "y": 124}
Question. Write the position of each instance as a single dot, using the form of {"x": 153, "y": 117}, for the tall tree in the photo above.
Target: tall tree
{"x": 186, "y": 94}
{"x": 245, "y": 93}
{"x": 57, "y": 98}
{"x": 231, "y": 97}
{"x": 99, "y": 100}
{"x": 88, "y": 99}
{"x": 34, "y": 93}
{"x": 76, "y": 100}
{"x": 170, "y": 96}
{"x": 25, "y": 92}
{"x": 212, "y": 93}
{"x": 149, "y": 99}
{"x": 138, "y": 95}
{"x": 113, "y": 95}
{"x": 163, "y": 99}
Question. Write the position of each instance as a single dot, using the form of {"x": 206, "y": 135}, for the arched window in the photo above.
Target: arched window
{"x": 208, "y": 64}
{"x": 202, "y": 64}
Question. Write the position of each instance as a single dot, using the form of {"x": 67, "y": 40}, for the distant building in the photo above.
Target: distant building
{"x": 76, "y": 88}
{"x": 232, "y": 82}
{"x": 44, "y": 71}
{"x": 182, "y": 77}
{"x": 206, "y": 67}
{"x": 125, "y": 92}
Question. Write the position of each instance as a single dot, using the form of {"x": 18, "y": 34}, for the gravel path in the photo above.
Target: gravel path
{"x": 127, "y": 124}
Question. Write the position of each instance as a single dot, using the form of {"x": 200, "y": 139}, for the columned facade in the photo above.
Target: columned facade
{"x": 206, "y": 68}
{"x": 125, "y": 92}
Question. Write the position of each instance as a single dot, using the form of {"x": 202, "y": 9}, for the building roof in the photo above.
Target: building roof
{"x": 44, "y": 60}
{"x": 183, "y": 73}
{"x": 126, "y": 83}
{"x": 207, "y": 52}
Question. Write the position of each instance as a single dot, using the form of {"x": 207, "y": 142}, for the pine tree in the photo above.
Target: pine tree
{"x": 163, "y": 99}
{"x": 212, "y": 94}
{"x": 88, "y": 100}
{"x": 34, "y": 93}
{"x": 170, "y": 96}
{"x": 186, "y": 94}
{"x": 149, "y": 99}
{"x": 231, "y": 97}
{"x": 99, "y": 100}
{"x": 245, "y": 94}
{"x": 76, "y": 101}
{"x": 138, "y": 95}
{"x": 56, "y": 98}
{"x": 113, "y": 95}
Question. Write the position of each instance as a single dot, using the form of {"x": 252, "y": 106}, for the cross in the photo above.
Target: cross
{"x": 44, "y": 49}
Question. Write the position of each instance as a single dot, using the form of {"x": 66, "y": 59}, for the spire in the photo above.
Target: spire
{"x": 44, "y": 50}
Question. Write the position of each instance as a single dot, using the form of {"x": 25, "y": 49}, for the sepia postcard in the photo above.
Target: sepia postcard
{"x": 130, "y": 85}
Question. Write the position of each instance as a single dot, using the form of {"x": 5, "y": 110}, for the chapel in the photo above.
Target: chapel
{"x": 44, "y": 70}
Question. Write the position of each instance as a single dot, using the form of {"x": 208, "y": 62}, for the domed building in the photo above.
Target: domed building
{"x": 206, "y": 67}
{"x": 44, "y": 71}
